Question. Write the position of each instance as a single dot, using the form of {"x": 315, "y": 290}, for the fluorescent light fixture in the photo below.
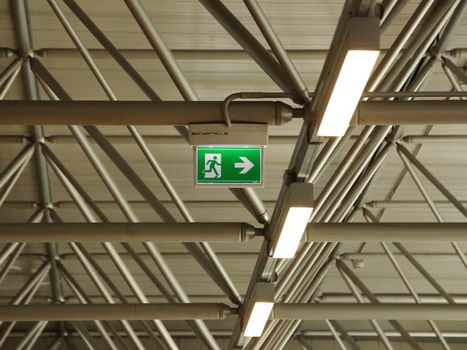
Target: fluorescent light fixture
{"x": 258, "y": 309}
{"x": 354, "y": 75}
{"x": 292, "y": 222}
{"x": 357, "y": 58}
{"x": 258, "y": 318}
{"x": 292, "y": 231}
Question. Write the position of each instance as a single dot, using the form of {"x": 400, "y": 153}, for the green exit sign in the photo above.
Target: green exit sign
{"x": 229, "y": 166}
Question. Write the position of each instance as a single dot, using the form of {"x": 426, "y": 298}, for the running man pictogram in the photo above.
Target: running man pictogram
{"x": 212, "y": 166}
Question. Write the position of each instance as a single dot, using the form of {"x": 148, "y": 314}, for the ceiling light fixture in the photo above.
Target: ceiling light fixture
{"x": 258, "y": 309}
{"x": 357, "y": 57}
{"x": 292, "y": 222}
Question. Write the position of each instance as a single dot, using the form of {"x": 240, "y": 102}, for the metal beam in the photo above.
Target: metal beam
{"x": 411, "y": 112}
{"x": 108, "y": 312}
{"x": 140, "y": 112}
{"x": 357, "y": 312}
{"x": 386, "y": 232}
{"x": 127, "y": 232}
{"x": 205, "y": 311}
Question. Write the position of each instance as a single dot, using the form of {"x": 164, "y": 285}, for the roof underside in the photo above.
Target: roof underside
{"x": 216, "y": 66}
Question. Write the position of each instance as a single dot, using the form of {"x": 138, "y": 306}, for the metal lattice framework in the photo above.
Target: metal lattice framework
{"x": 400, "y": 74}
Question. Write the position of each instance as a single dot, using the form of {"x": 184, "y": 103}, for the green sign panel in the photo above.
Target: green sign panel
{"x": 240, "y": 166}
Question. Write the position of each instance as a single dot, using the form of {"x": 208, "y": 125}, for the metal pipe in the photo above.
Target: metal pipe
{"x": 457, "y": 11}
{"x": 432, "y": 178}
{"x": 358, "y": 187}
{"x": 108, "y": 312}
{"x": 391, "y": 9}
{"x": 14, "y": 66}
{"x": 102, "y": 171}
{"x": 344, "y": 334}
{"x": 430, "y": 298}
{"x": 13, "y": 250}
{"x": 16, "y": 163}
{"x": 167, "y": 59}
{"x": 355, "y": 160}
{"x": 397, "y": 46}
{"x": 93, "y": 269}
{"x": 413, "y": 293}
{"x": 11, "y": 79}
{"x": 84, "y": 299}
{"x": 434, "y": 139}
{"x": 90, "y": 268}
{"x": 56, "y": 343}
{"x": 386, "y": 232}
{"x": 218, "y": 269}
{"x": 21, "y": 16}
{"x": 24, "y": 299}
{"x": 358, "y": 312}
{"x": 336, "y": 335}
{"x": 456, "y": 72}
{"x": 249, "y": 43}
{"x": 360, "y": 300}
{"x": 129, "y": 140}
{"x": 12, "y": 182}
{"x": 416, "y": 49}
{"x": 141, "y": 112}
{"x": 401, "y": 204}
{"x": 453, "y": 80}
{"x": 353, "y": 281}
{"x": 278, "y": 49}
{"x": 431, "y": 204}
{"x": 194, "y": 54}
{"x": 127, "y": 232}
{"x": 31, "y": 334}
{"x": 11, "y": 261}
{"x": 370, "y": 335}
{"x": 88, "y": 339}
{"x": 410, "y": 112}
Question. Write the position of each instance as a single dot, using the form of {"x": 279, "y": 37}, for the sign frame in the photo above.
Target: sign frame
{"x": 227, "y": 184}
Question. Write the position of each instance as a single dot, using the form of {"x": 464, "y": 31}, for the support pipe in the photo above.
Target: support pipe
{"x": 141, "y": 112}
{"x": 108, "y": 312}
{"x": 387, "y": 232}
{"x": 127, "y": 232}
{"x": 357, "y": 312}
{"x": 411, "y": 112}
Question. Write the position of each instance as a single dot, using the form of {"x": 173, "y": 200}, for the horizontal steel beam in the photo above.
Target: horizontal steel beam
{"x": 228, "y": 232}
{"x": 126, "y": 232}
{"x": 111, "y": 312}
{"x": 438, "y": 139}
{"x": 402, "y": 204}
{"x": 187, "y": 54}
{"x": 205, "y": 311}
{"x": 430, "y": 112}
{"x": 357, "y": 312}
{"x": 141, "y": 112}
{"x": 387, "y": 232}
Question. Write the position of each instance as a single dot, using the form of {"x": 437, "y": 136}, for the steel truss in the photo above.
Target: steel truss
{"x": 400, "y": 75}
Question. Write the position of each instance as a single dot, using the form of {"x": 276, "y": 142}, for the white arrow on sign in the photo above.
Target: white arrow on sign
{"x": 246, "y": 165}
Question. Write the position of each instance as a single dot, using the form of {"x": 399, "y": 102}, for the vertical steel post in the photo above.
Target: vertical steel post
{"x": 21, "y": 19}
